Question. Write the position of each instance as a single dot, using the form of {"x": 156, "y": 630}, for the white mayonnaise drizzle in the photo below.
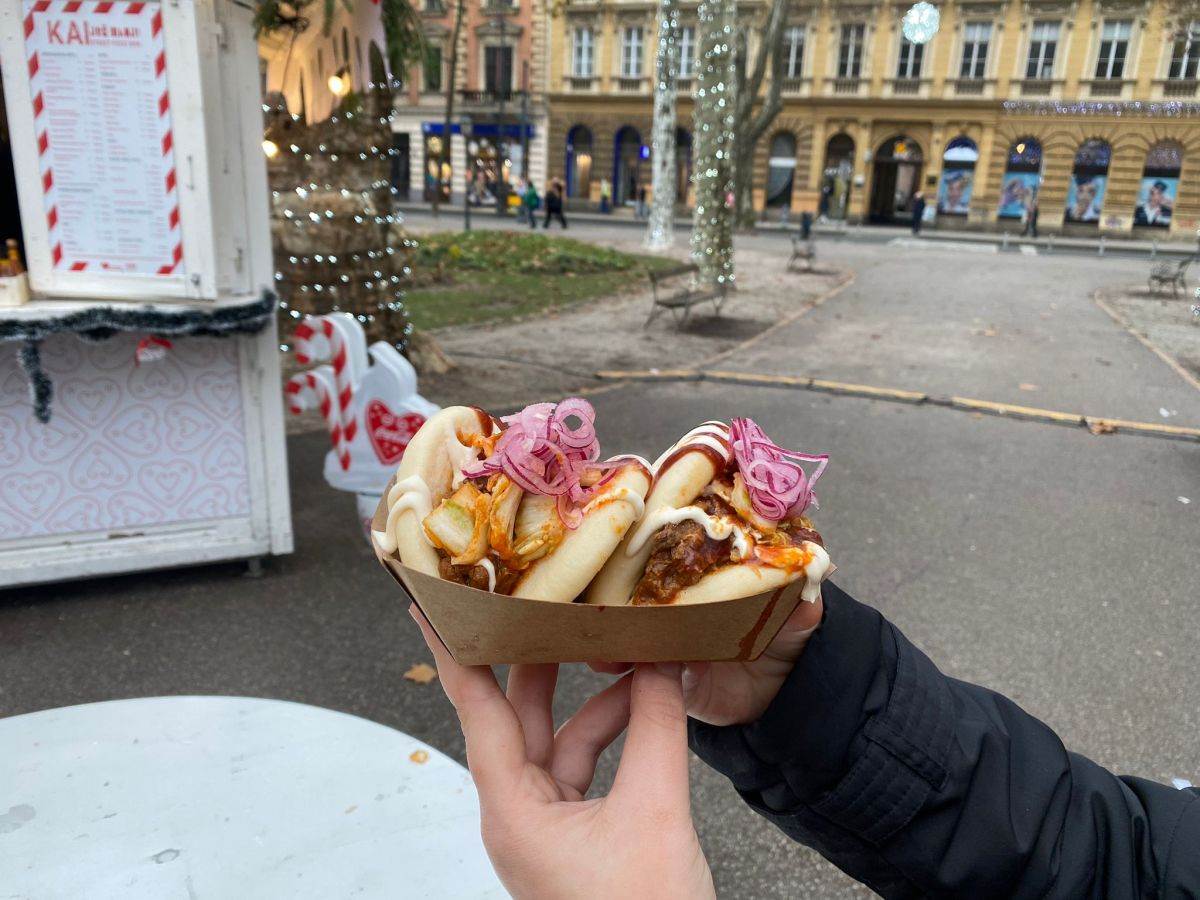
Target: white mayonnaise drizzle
{"x": 716, "y": 528}
{"x": 814, "y": 572}
{"x": 633, "y": 498}
{"x": 459, "y": 455}
{"x": 710, "y": 434}
{"x": 408, "y": 493}
{"x": 491, "y": 570}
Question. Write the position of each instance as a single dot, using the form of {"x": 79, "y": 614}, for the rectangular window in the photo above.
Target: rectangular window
{"x": 433, "y": 68}
{"x": 850, "y": 51}
{"x": 793, "y": 51}
{"x": 687, "y": 52}
{"x": 583, "y": 53}
{"x": 631, "y": 52}
{"x": 498, "y": 69}
{"x": 976, "y": 37}
{"x": 1114, "y": 47}
{"x": 1043, "y": 43}
{"x": 1185, "y": 53}
{"x": 910, "y": 59}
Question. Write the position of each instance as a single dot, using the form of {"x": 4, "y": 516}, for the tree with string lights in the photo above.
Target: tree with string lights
{"x": 713, "y": 126}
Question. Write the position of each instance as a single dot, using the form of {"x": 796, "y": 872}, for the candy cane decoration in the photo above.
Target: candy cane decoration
{"x": 340, "y": 347}
{"x": 316, "y": 389}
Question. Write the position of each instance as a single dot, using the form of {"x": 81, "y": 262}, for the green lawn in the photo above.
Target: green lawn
{"x": 491, "y": 276}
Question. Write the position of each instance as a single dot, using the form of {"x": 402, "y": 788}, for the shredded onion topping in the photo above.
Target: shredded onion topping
{"x": 778, "y": 486}
{"x": 544, "y": 453}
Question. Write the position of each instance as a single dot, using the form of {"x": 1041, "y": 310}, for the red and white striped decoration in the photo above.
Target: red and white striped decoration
{"x": 335, "y": 348}
{"x": 315, "y": 389}
{"x": 121, "y": 10}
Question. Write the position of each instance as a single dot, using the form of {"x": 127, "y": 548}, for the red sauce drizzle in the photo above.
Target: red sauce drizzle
{"x": 746, "y": 644}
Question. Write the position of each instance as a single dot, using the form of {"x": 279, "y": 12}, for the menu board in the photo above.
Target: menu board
{"x": 102, "y": 121}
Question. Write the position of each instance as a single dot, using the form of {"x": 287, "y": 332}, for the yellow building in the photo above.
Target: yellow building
{"x": 1084, "y": 107}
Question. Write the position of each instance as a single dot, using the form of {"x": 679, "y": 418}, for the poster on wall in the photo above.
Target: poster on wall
{"x": 102, "y": 120}
{"x": 1156, "y": 201}
{"x": 954, "y": 192}
{"x": 1018, "y": 190}
{"x": 1085, "y": 197}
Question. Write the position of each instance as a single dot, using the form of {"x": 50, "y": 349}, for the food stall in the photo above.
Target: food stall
{"x": 141, "y": 424}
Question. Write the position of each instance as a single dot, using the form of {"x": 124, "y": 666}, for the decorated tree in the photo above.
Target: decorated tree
{"x": 660, "y": 230}
{"x": 713, "y": 125}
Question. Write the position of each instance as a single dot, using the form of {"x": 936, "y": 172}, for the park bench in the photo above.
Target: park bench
{"x": 675, "y": 289}
{"x": 1174, "y": 274}
{"x": 803, "y": 251}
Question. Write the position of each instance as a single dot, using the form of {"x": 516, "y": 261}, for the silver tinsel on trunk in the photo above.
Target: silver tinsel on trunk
{"x": 660, "y": 231}
{"x": 712, "y": 221}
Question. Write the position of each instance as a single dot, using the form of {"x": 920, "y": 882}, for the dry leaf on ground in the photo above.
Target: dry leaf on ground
{"x": 421, "y": 673}
{"x": 420, "y": 757}
{"x": 1099, "y": 426}
{"x": 1027, "y": 386}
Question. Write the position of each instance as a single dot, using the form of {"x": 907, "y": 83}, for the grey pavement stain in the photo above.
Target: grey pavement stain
{"x": 165, "y": 856}
{"x": 16, "y": 817}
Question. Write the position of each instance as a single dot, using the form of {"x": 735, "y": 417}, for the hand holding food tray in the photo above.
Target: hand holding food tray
{"x": 520, "y": 544}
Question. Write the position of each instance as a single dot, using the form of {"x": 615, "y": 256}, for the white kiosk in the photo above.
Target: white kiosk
{"x": 141, "y": 424}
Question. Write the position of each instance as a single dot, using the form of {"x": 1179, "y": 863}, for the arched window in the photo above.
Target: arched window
{"x": 683, "y": 164}
{"x": 835, "y": 177}
{"x": 781, "y": 169}
{"x": 579, "y": 161}
{"x": 1089, "y": 179}
{"x": 1022, "y": 176}
{"x": 958, "y": 177}
{"x": 1160, "y": 185}
{"x": 627, "y": 169}
{"x": 897, "y": 178}
{"x": 378, "y": 68}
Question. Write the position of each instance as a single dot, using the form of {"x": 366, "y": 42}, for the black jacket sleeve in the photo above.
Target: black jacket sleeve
{"x": 920, "y": 785}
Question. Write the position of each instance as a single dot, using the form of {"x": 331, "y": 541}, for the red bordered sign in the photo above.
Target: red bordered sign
{"x": 102, "y": 119}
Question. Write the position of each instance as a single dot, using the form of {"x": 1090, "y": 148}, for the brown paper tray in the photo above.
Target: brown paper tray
{"x": 482, "y": 628}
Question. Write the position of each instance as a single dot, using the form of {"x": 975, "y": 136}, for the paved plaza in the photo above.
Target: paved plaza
{"x": 1052, "y": 564}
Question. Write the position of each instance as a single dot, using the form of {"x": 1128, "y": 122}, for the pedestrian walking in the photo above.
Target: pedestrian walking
{"x": 554, "y": 204}
{"x": 918, "y": 211}
{"x": 846, "y": 737}
{"x": 605, "y": 195}
{"x": 1031, "y": 217}
{"x": 642, "y": 209}
{"x": 529, "y": 203}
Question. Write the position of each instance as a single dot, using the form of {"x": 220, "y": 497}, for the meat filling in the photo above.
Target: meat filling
{"x": 683, "y": 553}
{"x": 477, "y": 576}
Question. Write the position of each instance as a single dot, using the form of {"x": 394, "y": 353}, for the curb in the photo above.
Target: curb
{"x": 1095, "y": 424}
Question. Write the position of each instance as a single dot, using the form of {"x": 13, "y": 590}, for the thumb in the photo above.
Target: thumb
{"x": 654, "y": 763}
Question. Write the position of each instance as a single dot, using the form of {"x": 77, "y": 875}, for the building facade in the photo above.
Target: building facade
{"x": 1084, "y": 107}
{"x": 499, "y": 90}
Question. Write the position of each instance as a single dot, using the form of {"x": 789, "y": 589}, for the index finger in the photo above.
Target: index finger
{"x": 495, "y": 742}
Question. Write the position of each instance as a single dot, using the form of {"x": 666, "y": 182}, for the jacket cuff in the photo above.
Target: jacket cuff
{"x": 858, "y": 733}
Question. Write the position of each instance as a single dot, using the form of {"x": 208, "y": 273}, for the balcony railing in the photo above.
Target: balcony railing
{"x": 969, "y": 87}
{"x": 1105, "y": 87}
{"x": 1179, "y": 87}
{"x": 794, "y": 85}
{"x": 1036, "y": 87}
{"x": 630, "y": 85}
{"x": 489, "y": 97}
{"x": 906, "y": 87}
{"x": 844, "y": 85}
{"x": 685, "y": 85}
{"x": 582, "y": 82}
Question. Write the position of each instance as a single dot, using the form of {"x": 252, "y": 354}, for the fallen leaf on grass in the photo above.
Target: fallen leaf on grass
{"x": 1099, "y": 426}
{"x": 420, "y": 757}
{"x": 1026, "y": 386}
{"x": 421, "y": 673}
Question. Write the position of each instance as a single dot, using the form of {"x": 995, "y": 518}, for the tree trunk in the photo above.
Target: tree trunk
{"x": 444, "y": 158}
{"x": 660, "y": 229}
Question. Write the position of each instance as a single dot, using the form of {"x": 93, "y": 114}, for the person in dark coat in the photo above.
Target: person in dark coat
{"x": 845, "y": 736}
{"x": 918, "y": 211}
{"x": 554, "y": 204}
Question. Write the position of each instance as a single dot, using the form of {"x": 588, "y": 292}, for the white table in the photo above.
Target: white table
{"x": 231, "y": 797}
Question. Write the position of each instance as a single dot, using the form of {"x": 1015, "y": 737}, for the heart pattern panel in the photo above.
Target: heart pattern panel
{"x": 127, "y": 446}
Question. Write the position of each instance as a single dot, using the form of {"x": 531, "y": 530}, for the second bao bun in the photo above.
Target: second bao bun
{"x": 680, "y": 475}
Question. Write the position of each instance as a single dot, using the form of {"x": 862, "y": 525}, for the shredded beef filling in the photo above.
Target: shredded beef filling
{"x": 477, "y": 576}
{"x": 683, "y": 553}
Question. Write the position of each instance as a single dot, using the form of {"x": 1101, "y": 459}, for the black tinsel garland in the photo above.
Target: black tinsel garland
{"x": 100, "y": 322}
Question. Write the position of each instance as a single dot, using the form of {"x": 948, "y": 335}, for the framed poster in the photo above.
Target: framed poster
{"x": 954, "y": 191}
{"x": 1085, "y": 197}
{"x": 1156, "y": 201}
{"x": 115, "y": 147}
{"x": 1016, "y": 191}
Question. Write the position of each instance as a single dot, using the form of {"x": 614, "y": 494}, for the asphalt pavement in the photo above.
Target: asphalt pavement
{"x": 1053, "y": 565}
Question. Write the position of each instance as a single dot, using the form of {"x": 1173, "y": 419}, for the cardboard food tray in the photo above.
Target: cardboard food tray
{"x": 482, "y": 628}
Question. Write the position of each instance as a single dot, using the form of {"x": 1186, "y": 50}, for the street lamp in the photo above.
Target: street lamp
{"x": 339, "y": 82}
{"x": 464, "y": 126}
{"x": 501, "y": 150}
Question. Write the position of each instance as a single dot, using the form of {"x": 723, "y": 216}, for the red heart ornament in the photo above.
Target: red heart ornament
{"x": 390, "y": 433}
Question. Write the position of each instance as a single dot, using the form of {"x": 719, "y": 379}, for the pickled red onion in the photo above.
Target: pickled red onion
{"x": 777, "y": 484}
{"x": 543, "y": 453}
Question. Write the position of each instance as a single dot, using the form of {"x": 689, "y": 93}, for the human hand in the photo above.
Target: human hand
{"x": 544, "y": 839}
{"x": 729, "y": 693}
